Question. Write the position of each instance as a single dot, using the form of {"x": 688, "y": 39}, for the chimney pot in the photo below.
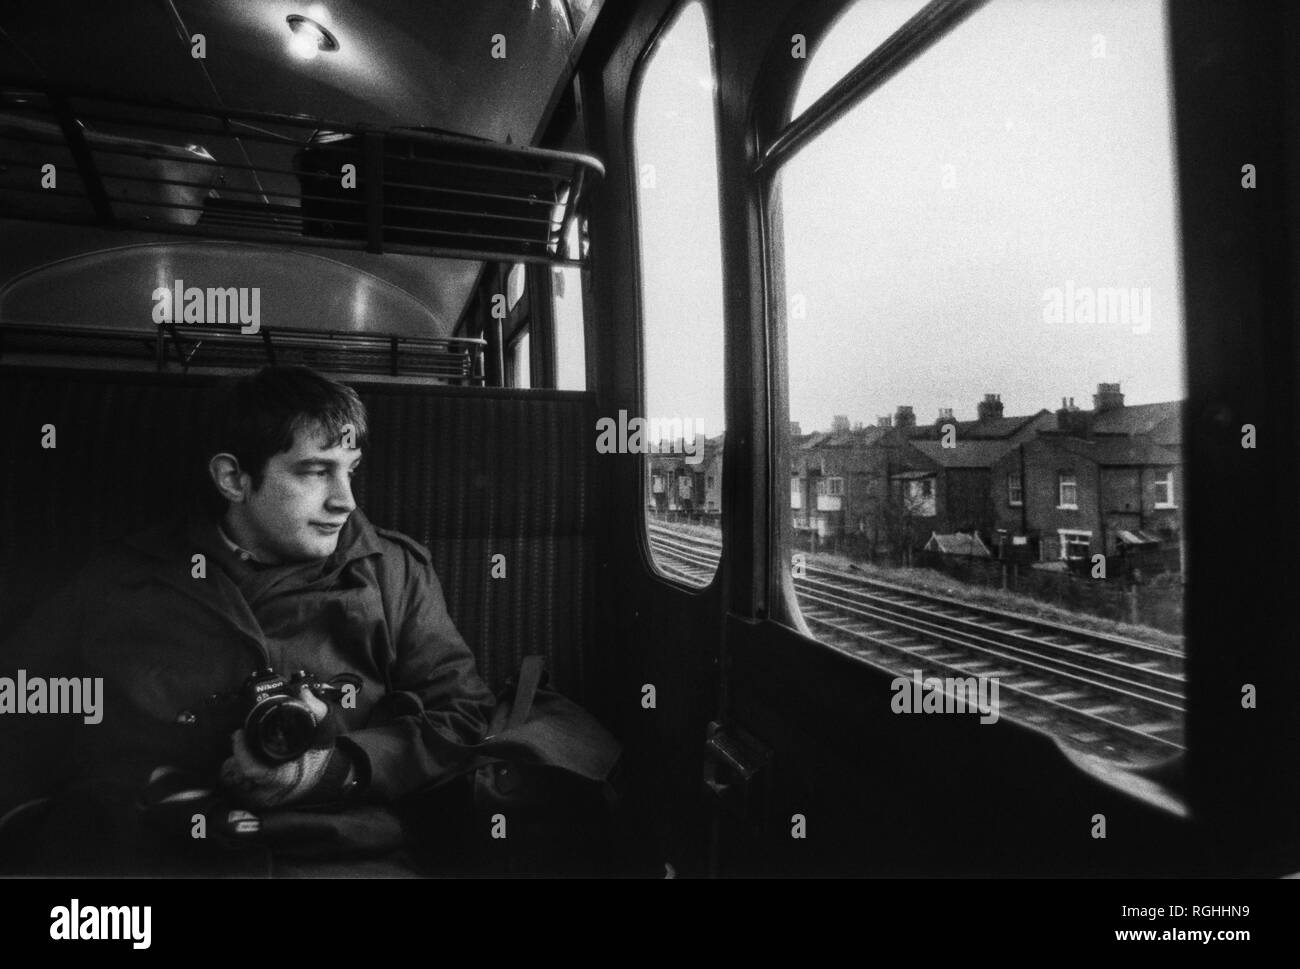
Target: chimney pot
{"x": 990, "y": 408}
{"x": 1108, "y": 397}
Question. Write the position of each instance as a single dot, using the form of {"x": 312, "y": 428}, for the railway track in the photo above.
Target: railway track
{"x": 1101, "y": 694}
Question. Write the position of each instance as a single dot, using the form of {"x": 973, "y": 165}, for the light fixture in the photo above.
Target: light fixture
{"x": 309, "y": 37}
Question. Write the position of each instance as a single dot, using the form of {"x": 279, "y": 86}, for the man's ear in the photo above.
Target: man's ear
{"x": 231, "y": 482}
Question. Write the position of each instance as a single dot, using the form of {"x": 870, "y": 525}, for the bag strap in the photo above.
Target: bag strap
{"x": 530, "y": 678}
{"x": 473, "y": 755}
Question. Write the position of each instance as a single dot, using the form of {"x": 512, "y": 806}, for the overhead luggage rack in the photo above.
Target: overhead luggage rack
{"x": 77, "y": 156}
{"x": 456, "y": 360}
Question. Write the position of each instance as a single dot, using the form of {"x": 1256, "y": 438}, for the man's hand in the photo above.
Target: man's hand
{"x": 260, "y": 785}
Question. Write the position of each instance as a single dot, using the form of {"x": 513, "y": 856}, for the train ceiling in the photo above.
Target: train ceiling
{"x": 399, "y": 62}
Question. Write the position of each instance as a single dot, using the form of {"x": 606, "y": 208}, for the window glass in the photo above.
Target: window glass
{"x": 986, "y": 234}
{"x": 1069, "y": 492}
{"x": 570, "y": 347}
{"x": 515, "y": 285}
{"x": 681, "y": 431}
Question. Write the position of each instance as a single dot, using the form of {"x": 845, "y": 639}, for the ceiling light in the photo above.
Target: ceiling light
{"x": 309, "y": 37}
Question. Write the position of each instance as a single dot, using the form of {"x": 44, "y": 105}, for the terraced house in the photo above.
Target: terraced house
{"x": 953, "y": 489}
{"x": 840, "y": 484}
{"x": 1106, "y": 480}
{"x": 1042, "y": 487}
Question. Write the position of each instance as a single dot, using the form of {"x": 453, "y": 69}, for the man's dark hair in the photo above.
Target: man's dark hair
{"x": 258, "y": 415}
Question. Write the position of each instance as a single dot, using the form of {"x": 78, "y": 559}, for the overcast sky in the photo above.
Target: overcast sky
{"x": 924, "y": 229}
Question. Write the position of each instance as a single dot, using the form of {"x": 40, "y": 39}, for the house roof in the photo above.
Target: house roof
{"x": 1116, "y": 451}
{"x": 860, "y": 438}
{"x": 997, "y": 428}
{"x": 958, "y": 543}
{"x": 966, "y": 453}
{"x": 1138, "y": 419}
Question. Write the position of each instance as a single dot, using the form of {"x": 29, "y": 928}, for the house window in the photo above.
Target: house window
{"x": 708, "y": 482}
{"x": 833, "y": 487}
{"x": 920, "y": 497}
{"x": 1014, "y": 494}
{"x": 1075, "y": 545}
{"x": 1165, "y": 490}
{"x": 1069, "y": 492}
{"x": 657, "y": 484}
{"x": 684, "y": 486}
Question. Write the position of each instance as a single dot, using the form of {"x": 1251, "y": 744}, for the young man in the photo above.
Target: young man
{"x": 187, "y": 628}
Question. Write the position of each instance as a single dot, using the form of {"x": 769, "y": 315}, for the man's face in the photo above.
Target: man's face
{"x": 305, "y": 497}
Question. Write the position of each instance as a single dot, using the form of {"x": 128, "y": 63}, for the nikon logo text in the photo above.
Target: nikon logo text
{"x": 73, "y": 923}
{"x": 211, "y": 307}
{"x": 83, "y": 696}
{"x": 952, "y": 694}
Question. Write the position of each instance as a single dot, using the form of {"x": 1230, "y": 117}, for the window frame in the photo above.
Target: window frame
{"x": 520, "y": 333}
{"x": 1208, "y": 98}
{"x": 1019, "y": 490}
{"x": 645, "y": 58}
{"x": 1061, "y": 504}
{"x": 1061, "y": 534}
{"x": 787, "y": 137}
{"x": 1171, "y": 502}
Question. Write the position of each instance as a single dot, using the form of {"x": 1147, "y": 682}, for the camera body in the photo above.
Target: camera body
{"x": 278, "y": 725}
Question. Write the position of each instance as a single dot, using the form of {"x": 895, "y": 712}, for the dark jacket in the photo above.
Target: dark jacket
{"x": 164, "y": 637}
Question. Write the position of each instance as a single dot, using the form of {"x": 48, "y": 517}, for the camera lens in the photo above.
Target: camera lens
{"x": 279, "y": 729}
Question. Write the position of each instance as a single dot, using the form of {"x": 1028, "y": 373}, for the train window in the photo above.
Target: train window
{"x": 515, "y": 283}
{"x": 675, "y": 151}
{"x": 992, "y": 227}
{"x": 567, "y": 285}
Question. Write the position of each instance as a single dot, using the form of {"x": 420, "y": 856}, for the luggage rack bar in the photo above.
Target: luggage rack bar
{"x": 223, "y": 173}
{"x": 453, "y": 360}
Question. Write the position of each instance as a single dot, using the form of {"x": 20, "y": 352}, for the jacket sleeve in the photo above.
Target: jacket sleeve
{"x": 435, "y": 695}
